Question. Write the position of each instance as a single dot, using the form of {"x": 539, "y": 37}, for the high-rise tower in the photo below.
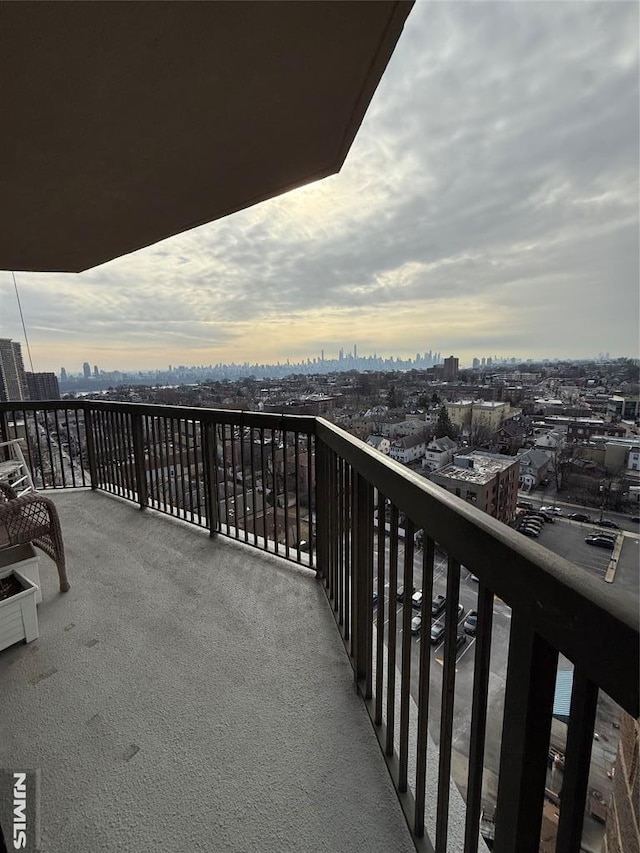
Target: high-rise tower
{"x": 13, "y": 382}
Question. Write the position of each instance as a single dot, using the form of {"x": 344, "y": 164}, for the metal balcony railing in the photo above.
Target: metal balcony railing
{"x": 300, "y": 487}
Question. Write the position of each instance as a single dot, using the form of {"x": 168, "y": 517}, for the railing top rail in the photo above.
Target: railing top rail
{"x": 233, "y": 417}
{"x": 585, "y": 619}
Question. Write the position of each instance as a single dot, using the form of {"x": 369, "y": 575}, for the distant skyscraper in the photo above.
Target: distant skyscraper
{"x": 86, "y": 369}
{"x": 63, "y": 374}
{"x": 476, "y": 363}
{"x": 450, "y": 369}
{"x": 43, "y": 386}
{"x": 95, "y": 371}
{"x": 355, "y": 350}
{"x": 13, "y": 382}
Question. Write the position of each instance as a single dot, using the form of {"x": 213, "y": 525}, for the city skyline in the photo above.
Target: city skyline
{"x": 489, "y": 204}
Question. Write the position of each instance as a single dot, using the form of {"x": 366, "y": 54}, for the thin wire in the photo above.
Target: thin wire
{"x": 24, "y": 328}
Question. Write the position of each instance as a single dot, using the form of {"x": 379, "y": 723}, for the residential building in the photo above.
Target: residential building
{"x": 379, "y": 442}
{"x": 408, "y": 449}
{"x": 487, "y": 480}
{"x": 490, "y": 414}
{"x": 584, "y": 429}
{"x": 450, "y": 369}
{"x": 43, "y": 386}
{"x": 439, "y": 452}
{"x": 13, "y": 381}
{"x": 625, "y": 408}
{"x": 513, "y": 433}
{"x": 459, "y": 413}
{"x": 549, "y": 439}
{"x": 534, "y": 466}
{"x": 619, "y": 453}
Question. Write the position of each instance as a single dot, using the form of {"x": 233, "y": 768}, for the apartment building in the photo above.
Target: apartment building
{"x": 487, "y": 480}
{"x": 43, "y": 386}
{"x": 13, "y": 381}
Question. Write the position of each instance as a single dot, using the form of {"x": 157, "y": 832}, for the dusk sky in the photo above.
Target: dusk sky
{"x": 488, "y": 206}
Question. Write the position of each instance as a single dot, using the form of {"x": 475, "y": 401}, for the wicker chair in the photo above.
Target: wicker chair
{"x": 32, "y": 518}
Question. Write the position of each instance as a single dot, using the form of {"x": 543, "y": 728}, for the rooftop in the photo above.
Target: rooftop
{"x": 483, "y": 471}
{"x": 188, "y": 676}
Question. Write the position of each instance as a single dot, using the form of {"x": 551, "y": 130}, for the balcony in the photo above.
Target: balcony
{"x": 192, "y": 687}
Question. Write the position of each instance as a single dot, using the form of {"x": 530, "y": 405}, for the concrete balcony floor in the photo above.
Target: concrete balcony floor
{"x": 189, "y": 694}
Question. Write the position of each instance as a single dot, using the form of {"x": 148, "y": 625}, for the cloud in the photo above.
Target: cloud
{"x": 489, "y": 202}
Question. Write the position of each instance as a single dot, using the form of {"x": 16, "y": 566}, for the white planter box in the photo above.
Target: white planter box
{"x": 25, "y": 560}
{"x": 18, "y": 614}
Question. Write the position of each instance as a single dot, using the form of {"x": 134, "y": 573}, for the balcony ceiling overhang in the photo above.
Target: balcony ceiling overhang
{"x": 126, "y": 123}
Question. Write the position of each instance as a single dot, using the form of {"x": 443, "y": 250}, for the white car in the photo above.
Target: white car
{"x": 554, "y": 510}
{"x": 416, "y": 624}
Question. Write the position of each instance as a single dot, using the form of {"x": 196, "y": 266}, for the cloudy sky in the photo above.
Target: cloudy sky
{"x": 489, "y": 206}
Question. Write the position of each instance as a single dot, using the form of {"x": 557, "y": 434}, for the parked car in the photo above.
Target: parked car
{"x": 606, "y": 522}
{"x": 579, "y": 516}
{"x": 437, "y": 632}
{"x": 438, "y": 604}
{"x": 555, "y": 510}
{"x": 527, "y": 531}
{"x": 635, "y": 519}
{"x": 400, "y": 592}
{"x": 599, "y": 542}
{"x": 416, "y": 624}
{"x": 375, "y": 597}
{"x": 460, "y": 640}
{"x": 604, "y": 534}
{"x": 525, "y": 504}
{"x": 460, "y": 612}
{"x": 471, "y": 622}
{"x": 416, "y": 599}
{"x": 543, "y": 516}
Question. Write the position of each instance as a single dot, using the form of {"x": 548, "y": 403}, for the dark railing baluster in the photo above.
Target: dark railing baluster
{"x": 380, "y": 553}
{"x": 285, "y": 492}
{"x": 254, "y": 491}
{"x": 363, "y": 582}
{"x": 391, "y": 642}
{"x": 478, "y": 717}
{"x": 311, "y": 501}
{"x": 423, "y": 681}
{"x": 405, "y": 676}
{"x": 528, "y": 706}
{"x": 337, "y": 578}
{"x": 297, "y": 493}
{"x": 208, "y": 470}
{"x": 139, "y": 461}
{"x": 582, "y": 718}
{"x": 446, "y": 710}
{"x": 274, "y": 492}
